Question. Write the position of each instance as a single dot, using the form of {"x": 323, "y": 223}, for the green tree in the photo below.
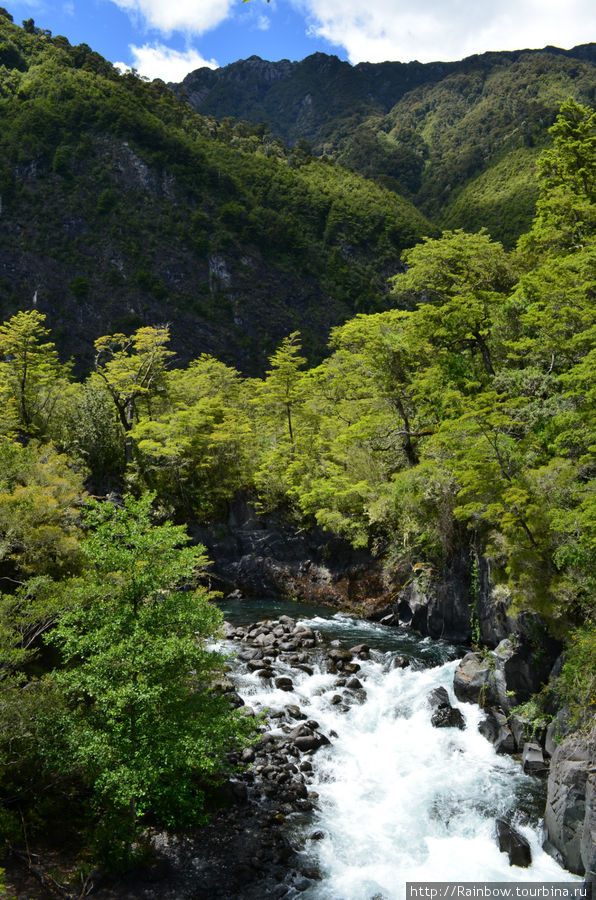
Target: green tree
{"x": 31, "y": 375}
{"x": 457, "y": 280}
{"x": 132, "y": 369}
{"x": 198, "y": 451}
{"x": 40, "y": 500}
{"x": 148, "y": 729}
{"x": 281, "y": 389}
{"x": 566, "y": 208}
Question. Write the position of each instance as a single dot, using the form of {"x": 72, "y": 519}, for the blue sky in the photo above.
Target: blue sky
{"x": 168, "y": 38}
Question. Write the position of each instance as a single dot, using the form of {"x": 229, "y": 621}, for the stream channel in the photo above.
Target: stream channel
{"x": 399, "y": 800}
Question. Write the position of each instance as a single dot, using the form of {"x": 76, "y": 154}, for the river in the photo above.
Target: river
{"x": 399, "y": 800}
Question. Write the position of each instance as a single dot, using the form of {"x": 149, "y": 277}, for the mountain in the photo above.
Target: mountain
{"x": 120, "y": 206}
{"x": 460, "y": 139}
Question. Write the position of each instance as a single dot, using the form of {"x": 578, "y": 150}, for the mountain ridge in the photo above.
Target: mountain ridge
{"x": 428, "y": 131}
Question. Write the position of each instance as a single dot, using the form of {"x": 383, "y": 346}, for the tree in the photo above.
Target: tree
{"x": 132, "y": 369}
{"x": 40, "y": 499}
{"x": 31, "y": 375}
{"x": 147, "y": 727}
{"x": 281, "y": 388}
{"x": 457, "y": 280}
{"x": 566, "y": 208}
{"x": 198, "y": 451}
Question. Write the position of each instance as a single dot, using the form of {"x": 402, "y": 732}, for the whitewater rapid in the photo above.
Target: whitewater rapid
{"x": 400, "y": 800}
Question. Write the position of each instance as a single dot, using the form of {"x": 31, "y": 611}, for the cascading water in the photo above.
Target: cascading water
{"x": 400, "y": 800}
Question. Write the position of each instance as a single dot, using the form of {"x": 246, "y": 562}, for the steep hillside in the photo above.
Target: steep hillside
{"x": 121, "y": 206}
{"x": 443, "y": 134}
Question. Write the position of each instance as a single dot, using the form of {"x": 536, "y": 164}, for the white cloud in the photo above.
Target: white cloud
{"x": 159, "y": 61}
{"x": 263, "y": 23}
{"x": 194, "y": 16}
{"x": 431, "y": 30}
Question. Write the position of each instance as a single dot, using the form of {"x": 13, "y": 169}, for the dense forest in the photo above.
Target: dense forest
{"x": 457, "y": 411}
{"x": 459, "y": 139}
{"x": 468, "y": 418}
{"x": 121, "y": 207}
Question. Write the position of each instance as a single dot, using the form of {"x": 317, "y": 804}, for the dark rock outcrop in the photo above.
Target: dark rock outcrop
{"x": 444, "y": 714}
{"x": 495, "y": 729}
{"x": 265, "y": 555}
{"x": 506, "y": 676}
{"x": 533, "y": 761}
{"x": 570, "y": 817}
{"x": 513, "y": 843}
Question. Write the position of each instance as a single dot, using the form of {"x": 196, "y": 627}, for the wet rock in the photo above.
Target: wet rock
{"x": 295, "y": 712}
{"x": 249, "y": 654}
{"x": 473, "y": 681}
{"x": 265, "y": 640}
{"x": 336, "y": 654}
{"x": 533, "y": 761}
{"x": 444, "y": 715}
{"x": 400, "y": 662}
{"x": 283, "y": 683}
{"x": 235, "y": 700}
{"x": 362, "y": 651}
{"x": 513, "y": 843}
{"x": 303, "y": 668}
{"x": 354, "y": 684}
{"x": 317, "y": 836}
{"x": 570, "y": 807}
{"x": 495, "y": 729}
{"x": 438, "y": 697}
{"x": 311, "y": 742}
{"x": 253, "y": 665}
{"x": 288, "y": 646}
{"x": 266, "y": 674}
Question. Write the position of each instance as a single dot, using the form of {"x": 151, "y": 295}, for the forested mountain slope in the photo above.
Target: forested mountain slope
{"x": 121, "y": 207}
{"x": 460, "y": 138}
{"x": 461, "y": 425}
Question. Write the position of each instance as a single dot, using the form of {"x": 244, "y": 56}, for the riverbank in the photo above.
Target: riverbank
{"x": 350, "y": 790}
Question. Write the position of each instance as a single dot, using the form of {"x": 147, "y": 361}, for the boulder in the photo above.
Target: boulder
{"x": 473, "y": 681}
{"x": 504, "y": 677}
{"x": 400, "y": 662}
{"x": 444, "y": 715}
{"x": 513, "y": 843}
{"x": 533, "y": 762}
{"x": 495, "y": 729}
{"x": 283, "y": 683}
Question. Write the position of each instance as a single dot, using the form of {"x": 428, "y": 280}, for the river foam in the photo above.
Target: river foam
{"x": 400, "y": 800}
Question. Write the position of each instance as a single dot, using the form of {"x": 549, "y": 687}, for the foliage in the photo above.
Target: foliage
{"x": 40, "y": 497}
{"x": 132, "y": 371}
{"x": 148, "y": 729}
{"x": 30, "y": 373}
{"x": 217, "y": 223}
{"x": 459, "y": 423}
{"x": 460, "y": 139}
{"x": 576, "y": 685}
